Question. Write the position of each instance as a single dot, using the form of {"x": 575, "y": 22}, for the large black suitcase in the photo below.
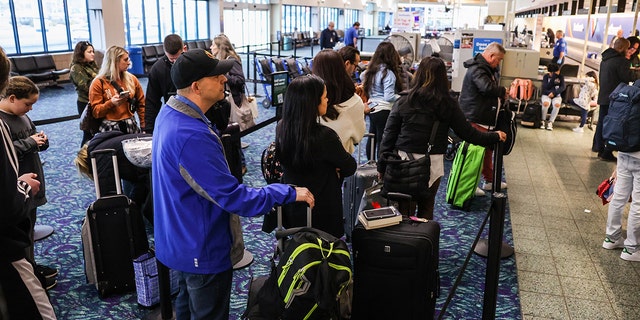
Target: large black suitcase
{"x": 396, "y": 271}
{"x": 353, "y": 189}
{"x": 113, "y": 235}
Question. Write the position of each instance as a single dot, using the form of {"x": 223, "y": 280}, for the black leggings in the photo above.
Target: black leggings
{"x": 425, "y": 205}
{"x": 377, "y": 122}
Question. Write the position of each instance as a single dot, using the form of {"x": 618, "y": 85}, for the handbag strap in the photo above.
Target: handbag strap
{"x": 433, "y": 136}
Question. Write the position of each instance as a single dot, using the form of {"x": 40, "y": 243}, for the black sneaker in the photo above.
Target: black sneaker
{"x": 46, "y": 272}
{"x": 50, "y": 283}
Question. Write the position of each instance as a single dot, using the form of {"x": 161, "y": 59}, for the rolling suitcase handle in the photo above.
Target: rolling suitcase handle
{"x": 281, "y": 233}
{"x": 116, "y": 173}
{"x": 371, "y": 137}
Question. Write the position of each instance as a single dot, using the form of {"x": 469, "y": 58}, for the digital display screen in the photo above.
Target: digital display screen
{"x": 279, "y": 87}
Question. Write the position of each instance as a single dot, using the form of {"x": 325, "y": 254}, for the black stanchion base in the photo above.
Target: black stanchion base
{"x": 156, "y": 314}
{"x": 482, "y": 249}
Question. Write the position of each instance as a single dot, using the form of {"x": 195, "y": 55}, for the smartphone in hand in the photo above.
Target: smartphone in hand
{"x": 124, "y": 94}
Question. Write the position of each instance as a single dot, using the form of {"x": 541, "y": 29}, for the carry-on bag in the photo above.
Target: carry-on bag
{"x": 354, "y": 187}
{"x": 396, "y": 271}
{"x": 532, "y": 116}
{"x": 465, "y": 175}
{"x": 313, "y": 269}
{"x": 113, "y": 235}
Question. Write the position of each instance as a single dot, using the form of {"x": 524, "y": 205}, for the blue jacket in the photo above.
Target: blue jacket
{"x": 553, "y": 83}
{"x": 194, "y": 192}
{"x": 561, "y": 46}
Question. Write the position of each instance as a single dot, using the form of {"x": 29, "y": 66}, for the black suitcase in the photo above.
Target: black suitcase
{"x": 353, "y": 189}
{"x": 532, "y": 116}
{"x": 396, "y": 271}
{"x": 113, "y": 235}
{"x": 230, "y": 138}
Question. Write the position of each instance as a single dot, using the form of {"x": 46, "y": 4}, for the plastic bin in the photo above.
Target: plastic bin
{"x": 135, "y": 56}
{"x": 287, "y": 43}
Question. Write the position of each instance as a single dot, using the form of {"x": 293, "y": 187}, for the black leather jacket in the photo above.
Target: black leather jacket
{"x": 480, "y": 91}
{"x": 409, "y": 128}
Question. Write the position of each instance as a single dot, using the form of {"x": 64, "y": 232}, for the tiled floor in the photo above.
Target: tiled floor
{"x": 558, "y": 227}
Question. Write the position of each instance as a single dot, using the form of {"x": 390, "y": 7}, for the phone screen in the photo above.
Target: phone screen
{"x": 379, "y": 213}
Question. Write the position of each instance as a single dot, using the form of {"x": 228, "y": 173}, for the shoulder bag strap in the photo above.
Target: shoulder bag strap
{"x": 433, "y": 137}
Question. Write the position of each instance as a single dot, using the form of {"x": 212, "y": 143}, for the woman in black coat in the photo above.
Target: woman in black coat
{"x": 312, "y": 155}
{"x": 409, "y": 126}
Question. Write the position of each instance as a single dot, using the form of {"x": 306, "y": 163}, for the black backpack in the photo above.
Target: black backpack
{"x": 313, "y": 270}
{"x": 621, "y": 126}
{"x": 532, "y": 117}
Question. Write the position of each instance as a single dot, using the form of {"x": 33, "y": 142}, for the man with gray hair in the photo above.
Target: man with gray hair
{"x": 479, "y": 97}
{"x": 328, "y": 37}
{"x": 194, "y": 193}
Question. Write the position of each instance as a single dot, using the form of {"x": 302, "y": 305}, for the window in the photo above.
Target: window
{"x": 351, "y": 16}
{"x": 149, "y": 21}
{"x": 37, "y": 26}
{"x": 296, "y": 18}
{"x": 327, "y": 15}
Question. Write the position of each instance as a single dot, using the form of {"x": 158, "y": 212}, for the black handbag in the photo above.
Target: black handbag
{"x": 88, "y": 122}
{"x": 408, "y": 176}
{"x": 506, "y": 122}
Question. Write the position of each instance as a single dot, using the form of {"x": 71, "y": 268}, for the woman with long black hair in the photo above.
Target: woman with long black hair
{"x": 312, "y": 155}
{"x": 412, "y": 118}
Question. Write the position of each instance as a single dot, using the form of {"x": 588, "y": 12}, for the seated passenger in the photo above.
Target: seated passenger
{"x": 587, "y": 99}
{"x": 552, "y": 88}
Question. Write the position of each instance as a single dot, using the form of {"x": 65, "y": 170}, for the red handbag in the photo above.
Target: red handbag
{"x": 605, "y": 190}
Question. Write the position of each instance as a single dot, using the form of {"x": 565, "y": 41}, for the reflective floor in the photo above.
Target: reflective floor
{"x": 558, "y": 227}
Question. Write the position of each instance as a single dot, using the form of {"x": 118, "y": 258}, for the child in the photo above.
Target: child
{"x": 552, "y": 88}
{"x": 587, "y": 99}
{"x": 18, "y": 99}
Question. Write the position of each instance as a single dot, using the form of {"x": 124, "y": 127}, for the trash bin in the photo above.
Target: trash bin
{"x": 287, "y": 43}
{"x": 135, "y": 56}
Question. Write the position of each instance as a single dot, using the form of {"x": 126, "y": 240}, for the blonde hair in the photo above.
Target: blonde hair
{"x": 225, "y": 48}
{"x": 21, "y": 87}
{"x": 109, "y": 68}
{"x": 82, "y": 162}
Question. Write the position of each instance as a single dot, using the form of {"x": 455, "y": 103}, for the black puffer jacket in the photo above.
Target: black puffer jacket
{"x": 480, "y": 91}
{"x": 409, "y": 128}
{"x": 159, "y": 89}
{"x": 614, "y": 69}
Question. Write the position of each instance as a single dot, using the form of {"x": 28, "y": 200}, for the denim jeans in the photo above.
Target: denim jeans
{"x": 204, "y": 296}
{"x": 627, "y": 184}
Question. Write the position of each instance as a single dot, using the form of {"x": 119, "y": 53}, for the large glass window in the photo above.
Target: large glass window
{"x": 296, "y": 18}
{"x": 151, "y": 21}
{"x": 203, "y": 20}
{"x": 134, "y": 25}
{"x": 242, "y": 33}
{"x": 36, "y": 26}
{"x": 55, "y": 25}
{"x": 327, "y": 15}
{"x": 7, "y": 36}
{"x": 78, "y": 21}
{"x": 192, "y": 24}
{"x": 351, "y": 16}
{"x": 29, "y": 26}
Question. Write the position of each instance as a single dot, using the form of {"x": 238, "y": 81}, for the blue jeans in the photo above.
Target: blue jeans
{"x": 627, "y": 184}
{"x": 204, "y": 296}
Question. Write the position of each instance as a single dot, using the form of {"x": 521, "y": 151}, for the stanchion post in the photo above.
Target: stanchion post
{"x": 165, "y": 291}
{"x": 496, "y": 227}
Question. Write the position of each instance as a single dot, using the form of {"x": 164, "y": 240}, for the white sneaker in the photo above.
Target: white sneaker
{"x": 610, "y": 244}
{"x": 626, "y": 255}
{"x": 543, "y": 125}
{"x": 479, "y": 193}
{"x": 578, "y": 129}
{"x": 488, "y": 186}
{"x": 550, "y": 126}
